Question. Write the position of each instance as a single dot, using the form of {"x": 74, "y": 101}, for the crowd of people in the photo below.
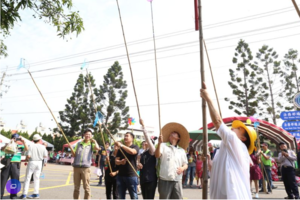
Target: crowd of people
{"x": 169, "y": 167}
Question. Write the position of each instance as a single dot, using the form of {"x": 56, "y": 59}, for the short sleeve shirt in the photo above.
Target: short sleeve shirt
{"x": 37, "y": 152}
{"x": 126, "y": 170}
{"x": 171, "y": 158}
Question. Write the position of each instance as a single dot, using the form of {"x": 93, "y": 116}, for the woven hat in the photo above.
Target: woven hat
{"x": 251, "y": 132}
{"x": 176, "y": 127}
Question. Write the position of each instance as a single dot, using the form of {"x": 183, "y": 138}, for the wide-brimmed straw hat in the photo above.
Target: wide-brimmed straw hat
{"x": 176, "y": 127}
{"x": 251, "y": 132}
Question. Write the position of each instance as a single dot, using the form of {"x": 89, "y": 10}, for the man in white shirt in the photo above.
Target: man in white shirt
{"x": 172, "y": 160}
{"x": 230, "y": 169}
{"x": 36, "y": 153}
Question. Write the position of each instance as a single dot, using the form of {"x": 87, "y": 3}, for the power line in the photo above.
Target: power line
{"x": 100, "y": 60}
{"x": 164, "y": 36}
{"x": 145, "y": 105}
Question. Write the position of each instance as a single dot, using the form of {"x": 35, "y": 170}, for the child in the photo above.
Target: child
{"x": 199, "y": 170}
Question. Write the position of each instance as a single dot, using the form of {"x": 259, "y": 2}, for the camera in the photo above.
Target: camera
{"x": 284, "y": 150}
{"x": 18, "y": 139}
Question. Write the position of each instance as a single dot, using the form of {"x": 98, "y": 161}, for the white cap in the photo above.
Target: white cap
{"x": 37, "y": 137}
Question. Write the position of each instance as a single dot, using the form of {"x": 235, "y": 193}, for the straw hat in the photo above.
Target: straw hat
{"x": 176, "y": 127}
{"x": 251, "y": 132}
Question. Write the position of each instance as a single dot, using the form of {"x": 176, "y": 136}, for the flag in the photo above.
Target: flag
{"x": 21, "y": 65}
{"x": 150, "y": 0}
{"x": 83, "y": 64}
{"x": 100, "y": 117}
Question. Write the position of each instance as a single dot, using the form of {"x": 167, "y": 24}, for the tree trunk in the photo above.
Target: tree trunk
{"x": 246, "y": 90}
{"x": 271, "y": 93}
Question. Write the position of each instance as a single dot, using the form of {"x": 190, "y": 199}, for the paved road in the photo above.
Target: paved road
{"x": 58, "y": 184}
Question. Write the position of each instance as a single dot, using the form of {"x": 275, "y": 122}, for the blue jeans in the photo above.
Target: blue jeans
{"x": 190, "y": 173}
{"x": 129, "y": 183}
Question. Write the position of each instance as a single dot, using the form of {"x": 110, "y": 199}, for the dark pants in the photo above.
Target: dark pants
{"x": 102, "y": 171}
{"x": 129, "y": 183}
{"x": 289, "y": 181}
{"x": 148, "y": 189}
{"x": 12, "y": 171}
{"x": 111, "y": 184}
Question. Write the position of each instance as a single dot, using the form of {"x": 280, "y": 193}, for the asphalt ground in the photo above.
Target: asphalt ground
{"x": 58, "y": 184}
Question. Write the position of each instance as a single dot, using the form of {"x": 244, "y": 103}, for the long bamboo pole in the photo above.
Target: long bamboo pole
{"x": 109, "y": 132}
{"x": 51, "y": 112}
{"x": 95, "y": 107}
{"x": 129, "y": 63}
{"x": 204, "y": 121}
{"x": 212, "y": 77}
{"x": 296, "y": 7}
{"x": 157, "y": 83}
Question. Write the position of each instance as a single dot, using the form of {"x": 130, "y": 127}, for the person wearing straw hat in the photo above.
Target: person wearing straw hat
{"x": 172, "y": 144}
{"x": 230, "y": 169}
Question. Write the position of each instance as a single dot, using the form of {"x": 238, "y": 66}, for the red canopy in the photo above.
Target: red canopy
{"x": 269, "y": 130}
{"x": 73, "y": 144}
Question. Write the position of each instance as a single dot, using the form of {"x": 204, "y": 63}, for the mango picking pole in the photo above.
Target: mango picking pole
{"x": 296, "y": 7}
{"x": 204, "y": 121}
{"x": 95, "y": 107}
{"x": 72, "y": 150}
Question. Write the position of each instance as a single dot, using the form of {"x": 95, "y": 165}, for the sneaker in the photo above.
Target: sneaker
{"x": 256, "y": 196}
{"x": 23, "y": 196}
{"x": 99, "y": 184}
{"x": 274, "y": 187}
{"x": 34, "y": 196}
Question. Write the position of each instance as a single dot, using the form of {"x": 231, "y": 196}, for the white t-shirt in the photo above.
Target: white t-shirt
{"x": 230, "y": 173}
{"x": 171, "y": 158}
{"x": 37, "y": 152}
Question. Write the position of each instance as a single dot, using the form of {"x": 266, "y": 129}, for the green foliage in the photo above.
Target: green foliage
{"x": 57, "y": 13}
{"x": 9, "y": 133}
{"x": 269, "y": 71}
{"x": 112, "y": 96}
{"x": 243, "y": 81}
{"x": 290, "y": 79}
{"x": 79, "y": 113}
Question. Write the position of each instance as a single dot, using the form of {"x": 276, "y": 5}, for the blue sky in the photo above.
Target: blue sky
{"x": 178, "y": 55}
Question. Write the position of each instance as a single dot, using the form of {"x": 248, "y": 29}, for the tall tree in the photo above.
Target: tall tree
{"x": 290, "y": 80}
{"x": 51, "y": 11}
{"x": 79, "y": 112}
{"x": 111, "y": 96}
{"x": 269, "y": 71}
{"x": 244, "y": 82}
